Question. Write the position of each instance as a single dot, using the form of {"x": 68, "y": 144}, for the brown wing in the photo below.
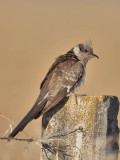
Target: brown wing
{"x": 58, "y": 82}
{"x": 68, "y": 56}
{"x": 62, "y": 80}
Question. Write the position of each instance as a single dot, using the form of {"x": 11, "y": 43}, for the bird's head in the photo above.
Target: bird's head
{"x": 84, "y": 52}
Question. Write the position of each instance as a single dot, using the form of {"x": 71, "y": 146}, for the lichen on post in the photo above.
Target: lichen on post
{"x": 82, "y": 130}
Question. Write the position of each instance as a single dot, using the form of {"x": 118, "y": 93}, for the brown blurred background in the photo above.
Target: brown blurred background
{"x": 32, "y": 34}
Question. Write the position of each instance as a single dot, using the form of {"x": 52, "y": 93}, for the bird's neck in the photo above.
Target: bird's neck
{"x": 79, "y": 57}
{"x": 82, "y": 57}
{"x": 84, "y": 61}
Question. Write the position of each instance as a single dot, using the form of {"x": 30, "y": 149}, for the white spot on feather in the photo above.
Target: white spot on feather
{"x": 42, "y": 99}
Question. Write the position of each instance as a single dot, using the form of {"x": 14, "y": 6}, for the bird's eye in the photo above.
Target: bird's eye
{"x": 86, "y": 50}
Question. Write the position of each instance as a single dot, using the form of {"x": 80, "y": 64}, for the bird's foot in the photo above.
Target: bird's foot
{"x": 76, "y": 95}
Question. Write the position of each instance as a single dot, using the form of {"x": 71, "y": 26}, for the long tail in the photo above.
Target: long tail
{"x": 34, "y": 113}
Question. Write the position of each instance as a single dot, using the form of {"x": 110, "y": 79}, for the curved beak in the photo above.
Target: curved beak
{"x": 92, "y": 55}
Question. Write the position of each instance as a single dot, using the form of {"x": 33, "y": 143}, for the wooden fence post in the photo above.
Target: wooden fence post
{"x": 81, "y": 128}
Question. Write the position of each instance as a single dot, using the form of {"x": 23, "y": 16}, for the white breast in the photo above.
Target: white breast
{"x": 80, "y": 82}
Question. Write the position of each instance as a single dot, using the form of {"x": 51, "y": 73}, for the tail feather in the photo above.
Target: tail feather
{"x": 33, "y": 113}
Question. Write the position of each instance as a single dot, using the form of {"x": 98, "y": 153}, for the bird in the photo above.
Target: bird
{"x": 65, "y": 75}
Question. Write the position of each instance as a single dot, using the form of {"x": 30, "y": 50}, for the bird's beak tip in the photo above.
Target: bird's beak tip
{"x": 95, "y": 56}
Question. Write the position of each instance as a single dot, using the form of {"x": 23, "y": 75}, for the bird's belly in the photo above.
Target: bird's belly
{"x": 80, "y": 82}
